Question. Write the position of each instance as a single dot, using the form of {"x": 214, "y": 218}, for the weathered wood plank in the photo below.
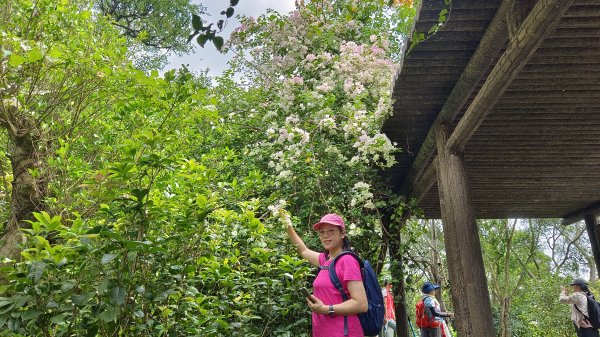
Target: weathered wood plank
{"x": 475, "y": 71}
{"x": 542, "y": 19}
{"x": 580, "y": 214}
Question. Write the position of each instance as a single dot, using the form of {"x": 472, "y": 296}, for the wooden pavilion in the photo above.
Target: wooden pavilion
{"x": 498, "y": 116}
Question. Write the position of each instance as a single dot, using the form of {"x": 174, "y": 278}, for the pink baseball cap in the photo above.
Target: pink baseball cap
{"x": 332, "y": 219}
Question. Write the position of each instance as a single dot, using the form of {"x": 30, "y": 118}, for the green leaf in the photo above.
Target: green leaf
{"x": 57, "y": 319}
{"x": 6, "y": 309}
{"x": 37, "y": 270}
{"x": 196, "y": 22}
{"x": 34, "y": 55}
{"x": 103, "y": 286}
{"x": 14, "y": 324}
{"x": 112, "y": 235}
{"x": 15, "y": 60}
{"x": 55, "y": 53}
{"x": 201, "y": 39}
{"x": 137, "y": 246}
{"x": 233, "y": 2}
{"x": 5, "y": 301}
{"x": 81, "y": 300}
{"x": 30, "y": 314}
{"x": 67, "y": 285}
{"x": 109, "y": 315}
{"x": 20, "y": 301}
{"x": 218, "y": 41}
{"x": 117, "y": 295}
{"x": 106, "y": 258}
{"x": 229, "y": 12}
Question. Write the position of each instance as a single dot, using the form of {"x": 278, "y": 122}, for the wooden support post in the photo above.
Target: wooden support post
{"x": 470, "y": 295}
{"x": 593, "y": 230}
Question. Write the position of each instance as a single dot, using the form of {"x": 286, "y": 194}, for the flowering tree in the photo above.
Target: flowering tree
{"x": 325, "y": 72}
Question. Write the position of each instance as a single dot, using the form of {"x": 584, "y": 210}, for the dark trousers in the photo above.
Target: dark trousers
{"x": 587, "y": 332}
{"x": 432, "y": 332}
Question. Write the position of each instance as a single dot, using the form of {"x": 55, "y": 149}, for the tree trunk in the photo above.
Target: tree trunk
{"x": 593, "y": 229}
{"x": 435, "y": 271}
{"x": 470, "y": 296}
{"x": 397, "y": 271}
{"x": 28, "y": 191}
{"x": 504, "y": 317}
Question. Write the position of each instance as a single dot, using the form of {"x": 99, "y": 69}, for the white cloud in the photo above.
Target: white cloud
{"x": 209, "y": 57}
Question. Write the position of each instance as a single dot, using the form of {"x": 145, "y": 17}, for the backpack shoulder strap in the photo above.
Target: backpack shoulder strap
{"x": 584, "y": 315}
{"x": 335, "y": 280}
{"x": 587, "y": 318}
{"x": 333, "y": 275}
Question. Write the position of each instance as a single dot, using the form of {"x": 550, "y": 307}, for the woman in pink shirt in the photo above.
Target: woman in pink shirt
{"x": 333, "y": 317}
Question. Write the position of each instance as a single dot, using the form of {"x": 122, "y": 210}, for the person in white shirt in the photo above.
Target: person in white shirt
{"x": 579, "y": 308}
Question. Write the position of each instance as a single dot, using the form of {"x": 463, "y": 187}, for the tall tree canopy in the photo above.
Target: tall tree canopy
{"x": 154, "y": 28}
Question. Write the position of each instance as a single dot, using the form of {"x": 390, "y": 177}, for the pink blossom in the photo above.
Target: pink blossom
{"x": 325, "y": 87}
{"x": 297, "y": 80}
{"x": 348, "y": 84}
{"x": 377, "y": 51}
{"x": 241, "y": 28}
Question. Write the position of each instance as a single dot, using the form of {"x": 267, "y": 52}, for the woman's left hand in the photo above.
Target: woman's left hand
{"x": 317, "y": 306}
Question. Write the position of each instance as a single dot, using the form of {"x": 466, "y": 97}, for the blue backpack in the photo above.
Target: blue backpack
{"x": 372, "y": 320}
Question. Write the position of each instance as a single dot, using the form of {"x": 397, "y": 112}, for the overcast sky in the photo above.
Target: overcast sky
{"x": 209, "y": 57}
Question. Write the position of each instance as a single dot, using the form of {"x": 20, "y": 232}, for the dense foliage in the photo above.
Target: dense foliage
{"x": 156, "y": 220}
{"x": 154, "y": 190}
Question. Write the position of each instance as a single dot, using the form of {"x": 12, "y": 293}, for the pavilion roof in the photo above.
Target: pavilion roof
{"x": 535, "y": 150}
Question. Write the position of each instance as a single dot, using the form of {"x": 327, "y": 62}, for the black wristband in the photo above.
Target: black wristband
{"x": 331, "y": 311}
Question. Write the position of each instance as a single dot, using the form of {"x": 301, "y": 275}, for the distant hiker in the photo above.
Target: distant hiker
{"x": 429, "y": 316}
{"x": 578, "y": 299}
{"x": 328, "y": 307}
{"x": 389, "y": 320}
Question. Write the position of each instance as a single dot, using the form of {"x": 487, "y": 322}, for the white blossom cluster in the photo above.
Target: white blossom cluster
{"x": 327, "y": 107}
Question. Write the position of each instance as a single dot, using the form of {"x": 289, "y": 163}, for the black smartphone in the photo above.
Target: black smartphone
{"x": 306, "y": 294}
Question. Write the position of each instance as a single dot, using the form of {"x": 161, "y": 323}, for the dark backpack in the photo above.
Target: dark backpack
{"x": 372, "y": 320}
{"x": 593, "y": 316}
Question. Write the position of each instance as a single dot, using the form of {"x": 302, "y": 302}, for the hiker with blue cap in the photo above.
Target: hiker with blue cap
{"x": 430, "y": 317}
{"x": 581, "y": 312}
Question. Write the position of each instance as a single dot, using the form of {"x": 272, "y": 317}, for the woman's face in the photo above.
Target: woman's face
{"x": 331, "y": 236}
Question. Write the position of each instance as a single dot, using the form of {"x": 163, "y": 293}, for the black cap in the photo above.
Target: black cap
{"x": 579, "y": 281}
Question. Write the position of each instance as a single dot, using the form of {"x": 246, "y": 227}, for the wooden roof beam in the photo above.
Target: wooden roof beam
{"x": 489, "y": 47}
{"x": 539, "y": 23}
{"x": 581, "y": 214}
{"x": 425, "y": 182}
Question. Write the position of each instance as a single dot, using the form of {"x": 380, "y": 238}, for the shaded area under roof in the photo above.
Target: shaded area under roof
{"x": 537, "y": 153}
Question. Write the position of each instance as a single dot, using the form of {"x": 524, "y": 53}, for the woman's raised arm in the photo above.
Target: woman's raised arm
{"x": 310, "y": 255}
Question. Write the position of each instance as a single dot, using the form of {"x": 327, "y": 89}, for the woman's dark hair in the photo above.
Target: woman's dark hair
{"x": 585, "y": 289}
{"x": 346, "y": 244}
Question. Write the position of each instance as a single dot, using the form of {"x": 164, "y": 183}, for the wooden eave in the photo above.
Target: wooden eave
{"x": 536, "y": 152}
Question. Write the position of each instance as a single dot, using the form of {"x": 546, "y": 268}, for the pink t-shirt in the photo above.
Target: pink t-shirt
{"x": 347, "y": 269}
